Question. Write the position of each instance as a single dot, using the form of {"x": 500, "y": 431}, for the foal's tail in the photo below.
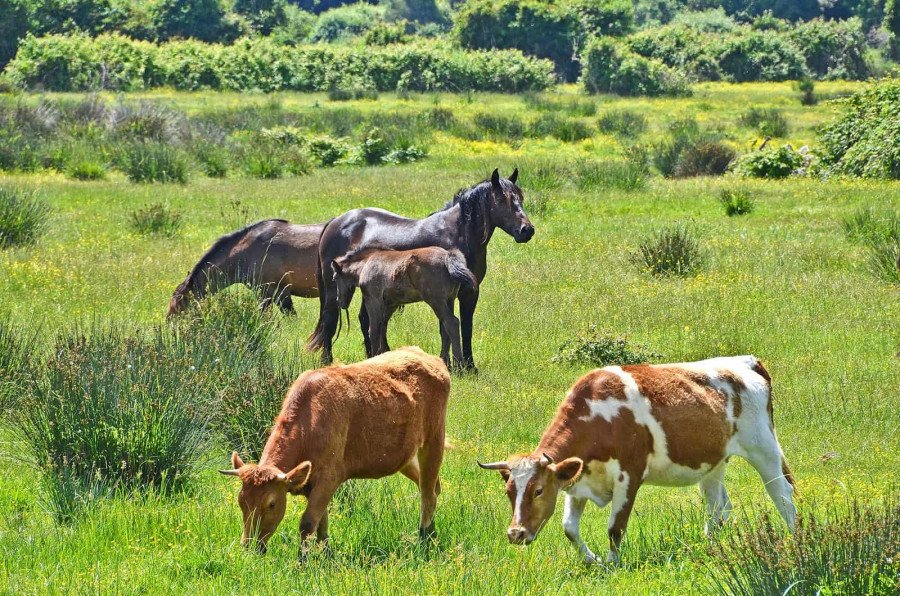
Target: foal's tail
{"x": 456, "y": 267}
{"x": 316, "y": 341}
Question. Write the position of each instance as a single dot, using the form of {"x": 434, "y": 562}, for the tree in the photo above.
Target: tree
{"x": 199, "y": 19}
{"x": 892, "y": 26}
{"x": 13, "y": 26}
{"x": 263, "y": 15}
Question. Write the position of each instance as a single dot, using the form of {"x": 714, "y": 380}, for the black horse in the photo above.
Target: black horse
{"x": 466, "y": 223}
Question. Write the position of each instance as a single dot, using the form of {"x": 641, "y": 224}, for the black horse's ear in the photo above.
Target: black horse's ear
{"x": 335, "y": 266}
{"x": 514, "y": 176}
{"x": 495, "y": 179}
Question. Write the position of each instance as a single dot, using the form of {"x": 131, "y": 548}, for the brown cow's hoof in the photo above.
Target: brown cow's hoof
{"x": 428, "y": 533}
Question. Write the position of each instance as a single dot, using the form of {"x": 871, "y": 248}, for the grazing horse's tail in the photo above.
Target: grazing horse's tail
{"x": 198, "y": 279}
{"x": 316, "y": 341}
{"x": 456, "y": 267}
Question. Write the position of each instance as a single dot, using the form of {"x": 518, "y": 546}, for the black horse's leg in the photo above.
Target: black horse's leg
{"x": 331, "y": 314}
{"x": 286, "y": 304}
{"x": 364, "y": 325}
{"x": 467, "y": 305}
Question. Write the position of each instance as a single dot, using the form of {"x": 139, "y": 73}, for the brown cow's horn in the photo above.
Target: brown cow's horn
{"x": 547, "y": 459}
{"x": 229, "y": 472}
{"x": 497, "y": 465}
{"x": 282, "y": 476}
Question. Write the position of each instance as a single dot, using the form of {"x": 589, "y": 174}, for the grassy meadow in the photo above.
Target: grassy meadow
{"x": 782, "y": 282}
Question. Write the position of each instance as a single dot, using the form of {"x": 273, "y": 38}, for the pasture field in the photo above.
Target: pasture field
{"x": 783, "y": 283}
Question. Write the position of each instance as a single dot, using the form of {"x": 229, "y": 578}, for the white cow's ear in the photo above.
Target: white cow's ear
{"x": 568, "y": 471}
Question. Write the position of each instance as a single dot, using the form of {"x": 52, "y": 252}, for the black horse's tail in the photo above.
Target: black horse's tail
{"x": 316, "y": 341}
{"x": 456, "y": 266}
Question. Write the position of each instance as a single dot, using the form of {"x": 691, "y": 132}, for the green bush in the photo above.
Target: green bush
{"x": 603, "y": 348}
{"x": 213, "y": 158}
{"x": 759, "y": 56}
{"x": 736, "y": 202}
{"x": 671, "y": 251}
{"x": 148, "y": 120}
{"x": 154, "y": 162}
{"x": 155, "y": 220}
{"x": 623, "y": 123}
{"x": 346, "y": 21}
{"x": 23, "y": 217}
{"x": 80, "y": 63}
{"x": 263, "y": 161}
{"x": 713, "y": 20}
{"x": 610, "y": 67}
{"x": 848, "y": 549}
{"x": 770, "y": 163}
{"x": 865, "y": 140}
{"x": 680, "y": 47}
{"x": 116, "y": 412}
{"x": 806, "y": 86}
{"x": 541, "y": 29}
{"x": 704, "y": 158}
{"x": 767, "y": 121}
{"x": 832, "y": 49}
{"x": 603, "y": 17}
{"x": 85, "y": 169}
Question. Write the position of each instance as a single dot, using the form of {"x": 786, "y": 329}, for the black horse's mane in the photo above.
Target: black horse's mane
{"x": 474, "y": 203}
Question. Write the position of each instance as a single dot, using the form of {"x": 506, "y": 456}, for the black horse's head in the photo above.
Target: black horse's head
{"x": 506, "y": 210}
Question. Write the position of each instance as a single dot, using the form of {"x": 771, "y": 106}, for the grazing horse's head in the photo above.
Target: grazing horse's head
{"x": 180, "y": 300}
{"x": 263, "y": 497}
{"x": 506, "y": 210}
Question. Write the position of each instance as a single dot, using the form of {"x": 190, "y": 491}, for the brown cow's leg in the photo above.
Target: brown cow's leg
{"x": 430, "y": 457}
{"x": 316, "y": 511}
{"x": 624, "y": 491}
{"x": 322, "y": 529}
{"x": 411, "y": 470}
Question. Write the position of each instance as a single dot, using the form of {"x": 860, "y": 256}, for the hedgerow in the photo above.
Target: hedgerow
{"x": 610, "y": 67}
{"x": 79, "y": 63}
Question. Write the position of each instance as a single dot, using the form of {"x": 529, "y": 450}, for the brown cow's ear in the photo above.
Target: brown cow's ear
{"x": 298, "y": 476}
{"x": 568, "y": 470}
{"x": 505, "y": 474}
{"x": 514, "y": 176}
{"x": 236, "y": 461}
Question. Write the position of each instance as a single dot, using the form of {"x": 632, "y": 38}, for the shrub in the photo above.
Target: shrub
{"x": 248, "y": 407}
{"x": 612, "y": 68}
{"x": 154, "y": 162}
{"x": 149, "y": 121}
{"x": 73, "y": 63}
{"x": 682, "y": 48}
{"x": 541, "y": 29}
{"x": 382, "y": 34}
{"x": 865, "y": 140}
{"x": 849, "y": 549}
{"x": 832, "y": 49}
{"x": 713, "y": 20}
{"x": 806, "y": 87}
{"x": 116, "y": 412}
{"x": 346, "y": 21}
{"x": 623, "y": 123}
{"x": 327, "y": 150}
{"x": 768, "y": 121}
{"x": 671, "y": 251}
{"x": 771, "y": 163}
{"x": 603, "y": 17}
{"x": 213, "y": 158}
{"x": 892, "y": 26}
{"x": 404, "y": 153}
{"x": 199, "y": 19}
{"x": 23, "y": 217}
{"x": 374, "y": 148}
{"x": 683, "y": 135}
{"x": 759, "y": 56}
{"x": 603, "y": 348}
{"x": 263, "y": 161}
{"x": 18, "y": 362}
{"x": 705, "y": 158}
{"x": 155, "y": 220}
{"x": 85, "y": 169}
{"x": 736, "y": 202}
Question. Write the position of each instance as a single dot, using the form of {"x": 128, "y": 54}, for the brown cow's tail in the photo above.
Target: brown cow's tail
{"x": 316, "y": 341}
{"x": 788, "y": 475}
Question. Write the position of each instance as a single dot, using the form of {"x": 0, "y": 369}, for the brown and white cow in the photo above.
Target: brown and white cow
{"x": 366, "y": 420}
{"x": 665, "y": 424}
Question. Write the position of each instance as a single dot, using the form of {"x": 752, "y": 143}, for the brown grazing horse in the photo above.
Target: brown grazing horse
{"x": 389, "y": 279}
{"x": 366, "y": 420}
{"x": 273, "y": 255}
{"x": 466, "y": 223}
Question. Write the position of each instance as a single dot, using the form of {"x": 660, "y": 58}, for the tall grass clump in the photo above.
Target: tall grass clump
{"x": 670, "y": 251}
{"x": 848, "y": 549}
{"x": 118, "y": 411}
{"x": 249, "y": 406}
{"x": 148, "y": 161}
{"x": 18, "y": 361}
{"x": 736, "y": 202}
{"x": 767, "y": 121}
{"x": 86, "y": 169}
{"x": 623, "y": 123}
{"x": 621, "y": 174}
{"x": 155, "y": 220}
{"x": 879, "y": 232}
{"x": 602, "y": 348}
{"x": 23, "y": 217}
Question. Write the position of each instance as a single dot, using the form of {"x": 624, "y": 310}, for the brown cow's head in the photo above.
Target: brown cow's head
{"x": 532, "y": 484}
{"x": 506, "y": 207}
{"x": 263, "y": 497}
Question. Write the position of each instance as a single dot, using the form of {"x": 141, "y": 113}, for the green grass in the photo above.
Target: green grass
{"x": 782, "y": 282}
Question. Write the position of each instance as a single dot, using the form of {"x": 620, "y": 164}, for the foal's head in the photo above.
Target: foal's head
{"x": 345, "y": 281}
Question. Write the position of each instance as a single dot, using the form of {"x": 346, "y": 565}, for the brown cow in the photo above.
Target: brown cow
{"x": 366, "y": 420}
{"x": 666, "y": 424}
{"x": 274, "y": 255}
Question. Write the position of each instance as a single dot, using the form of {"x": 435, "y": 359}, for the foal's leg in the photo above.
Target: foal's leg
{"x": 450, "y": 326}
{"x": 377, "y": 326}
{"x": 364, "y": 326}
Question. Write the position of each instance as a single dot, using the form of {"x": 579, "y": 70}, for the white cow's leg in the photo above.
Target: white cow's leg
{"x": 718, "y": 505}
{"x": 574, "y": 508}
{"x": 769, "y": 462}
{"x": 624, "y": 492}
